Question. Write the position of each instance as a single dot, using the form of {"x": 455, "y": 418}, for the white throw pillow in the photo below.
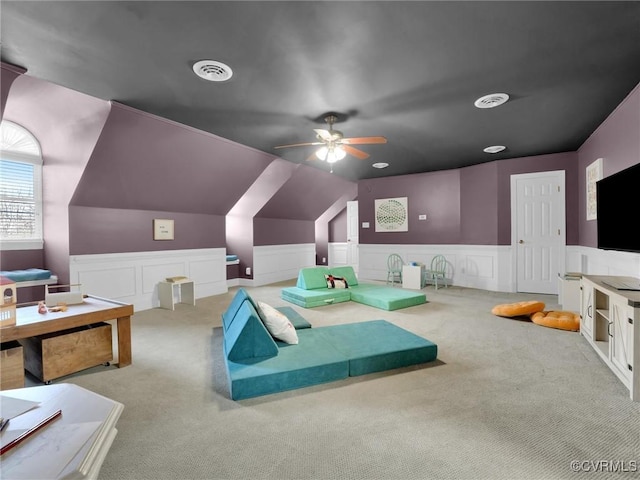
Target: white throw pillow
{"x": 277, "y": 323}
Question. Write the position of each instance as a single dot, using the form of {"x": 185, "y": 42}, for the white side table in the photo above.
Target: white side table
{"x": 167, "y": 293}
{"x": 413, "y": 277}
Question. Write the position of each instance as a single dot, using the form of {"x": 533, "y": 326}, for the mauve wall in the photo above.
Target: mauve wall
{"x": 435, "y": 194}
{"x": 469, "y": 206}
{"x": 282, "y": 231}
{"x": 540, "y": 163}
{"x": 306, "y": 195}
{"x": 479, "y": 195}
{"x": 120, "y": 230}
{"x": 67, "y": 124}
{"x": 8, "y": 73}
{"x": 146, "y": 167}
{"x": 617, "y": 142}
{"x": 338, "y": 227}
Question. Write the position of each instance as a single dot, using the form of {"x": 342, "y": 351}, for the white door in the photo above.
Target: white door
{"x": 352, "y": 235}
{"x": 538, "y": 230}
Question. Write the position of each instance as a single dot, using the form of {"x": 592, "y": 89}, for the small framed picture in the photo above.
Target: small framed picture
{"x": 162, "y": 229}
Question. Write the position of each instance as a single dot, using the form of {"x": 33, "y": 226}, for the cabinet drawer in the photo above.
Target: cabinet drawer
{"x": 11, "y": 366}
{"x": 63, "y": 353}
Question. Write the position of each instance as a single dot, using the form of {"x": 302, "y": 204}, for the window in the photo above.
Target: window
{"x": 20, "y": 188}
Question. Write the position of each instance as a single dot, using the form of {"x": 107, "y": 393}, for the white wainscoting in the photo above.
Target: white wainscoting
{"x": 133, "y": 277}
{"x": 487, "y": 267}
{"x": 490, "y": 267}
{"x": 338, "y": 254}
{"x": 592, "y": 261}
{"x": 276, "y": 263}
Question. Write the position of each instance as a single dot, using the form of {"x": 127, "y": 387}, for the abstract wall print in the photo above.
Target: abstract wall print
{"x": 594, "y": 173}
{"x": 392, "y": 215}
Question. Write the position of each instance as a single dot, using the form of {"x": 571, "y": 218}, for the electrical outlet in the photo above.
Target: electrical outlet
{"x": 248, "y": 271}
{"x": 422, "y": 217}
{"x": 324, "y": 260}
{"x": 365, "y": 224}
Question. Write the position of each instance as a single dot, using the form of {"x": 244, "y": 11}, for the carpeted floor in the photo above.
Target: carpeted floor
{"x": 506, "y": 399}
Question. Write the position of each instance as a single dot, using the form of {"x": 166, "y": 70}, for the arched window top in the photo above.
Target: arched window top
{"x": 15, "y": 139}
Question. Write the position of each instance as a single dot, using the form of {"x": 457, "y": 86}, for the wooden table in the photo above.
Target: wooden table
{"x": 73, "y": 446}
{"x": 30, "y": 323}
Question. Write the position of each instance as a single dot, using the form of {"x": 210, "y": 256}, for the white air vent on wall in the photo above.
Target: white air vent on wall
{"x": 212, "y": 70}
{"x": 491, "y": 100}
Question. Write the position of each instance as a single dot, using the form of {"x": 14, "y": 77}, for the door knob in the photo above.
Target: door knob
{"x": 521, "y": 241}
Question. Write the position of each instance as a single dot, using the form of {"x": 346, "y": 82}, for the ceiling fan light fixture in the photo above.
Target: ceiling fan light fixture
{"x": 492, "y": 100}
{"x": 494, "y": 149}
{"x": 331, "y": 154}
{"x": 213, "y": 70}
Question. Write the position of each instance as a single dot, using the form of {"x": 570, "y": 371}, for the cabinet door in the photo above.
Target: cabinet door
{"x": 622, "y": 337}
{"x": 587, "y": 311}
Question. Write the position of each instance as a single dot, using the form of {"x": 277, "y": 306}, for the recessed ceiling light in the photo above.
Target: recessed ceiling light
{"x": 380, "y": 165}
{"x": 212, "y": 70}
{"x": 491, "y": 100}
{"x": 494, "y": 149}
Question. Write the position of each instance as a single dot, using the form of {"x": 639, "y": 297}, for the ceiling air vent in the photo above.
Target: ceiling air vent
{"x": 491, "y": 100}
{"x": 212, "y": 70}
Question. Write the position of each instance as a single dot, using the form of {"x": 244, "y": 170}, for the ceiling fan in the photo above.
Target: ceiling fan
{"x": 334, "y": 145}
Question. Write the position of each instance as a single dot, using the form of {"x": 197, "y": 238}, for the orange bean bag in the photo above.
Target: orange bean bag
{"x": 518, "y": 309}
{"x": 562, "y": 319}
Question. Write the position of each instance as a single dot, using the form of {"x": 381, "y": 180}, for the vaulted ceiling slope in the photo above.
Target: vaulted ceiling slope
{"x": 409, "y": 71}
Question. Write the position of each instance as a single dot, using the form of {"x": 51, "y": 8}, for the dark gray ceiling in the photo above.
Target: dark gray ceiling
{"x": 409, "y": 71}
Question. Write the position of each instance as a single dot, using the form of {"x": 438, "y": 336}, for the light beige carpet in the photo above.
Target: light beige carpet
{"x": 507, "y": 399}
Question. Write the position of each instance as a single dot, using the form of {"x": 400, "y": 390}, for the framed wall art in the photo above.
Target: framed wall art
{"x": 392, "y": 215}
{"x": 594, "y": 173}
{"x": 162, "y": 229}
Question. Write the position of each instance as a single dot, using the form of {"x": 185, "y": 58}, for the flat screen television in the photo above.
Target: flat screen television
{"x": 618, "y": 210}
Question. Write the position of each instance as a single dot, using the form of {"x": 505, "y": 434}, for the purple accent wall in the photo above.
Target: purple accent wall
{"x": 469, "y": 206}
{"x": 8, "y": 73}
{"x": 67, "y": 125}
{"x": 540, "y": 163}
{"x": 479, "y": 204}
{"x": 617, "y": 142}
{"x": 109, "y": 230}
{"x": 282, "y": 231}
{"x": 338, "y": 227}
{"x": 435, "y": 194}
{"x": 144, "y": 162}
{"x": 306, "y": 195}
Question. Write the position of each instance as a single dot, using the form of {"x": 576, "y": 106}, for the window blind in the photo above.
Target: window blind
{"x": 18, "y": 201}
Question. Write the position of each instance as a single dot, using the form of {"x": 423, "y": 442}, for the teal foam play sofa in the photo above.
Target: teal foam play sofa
{"x": 311, "y": 290}
{"x": 258, "y": 364}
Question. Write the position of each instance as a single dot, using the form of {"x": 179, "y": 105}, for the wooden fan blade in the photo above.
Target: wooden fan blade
{"x": 312, "y": 157}
{"x": 299, "y": 144}
{"x": 355, "y": 152}
{"x": 363, "y": 140}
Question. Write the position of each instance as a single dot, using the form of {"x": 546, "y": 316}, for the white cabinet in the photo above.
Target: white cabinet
{"x": 586, "y": 311}
{"x": 621, "y": 348}
{"x": 569, "y": 292}
{"x": 609, "y": 321}
{"x": 413, "y": 277}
